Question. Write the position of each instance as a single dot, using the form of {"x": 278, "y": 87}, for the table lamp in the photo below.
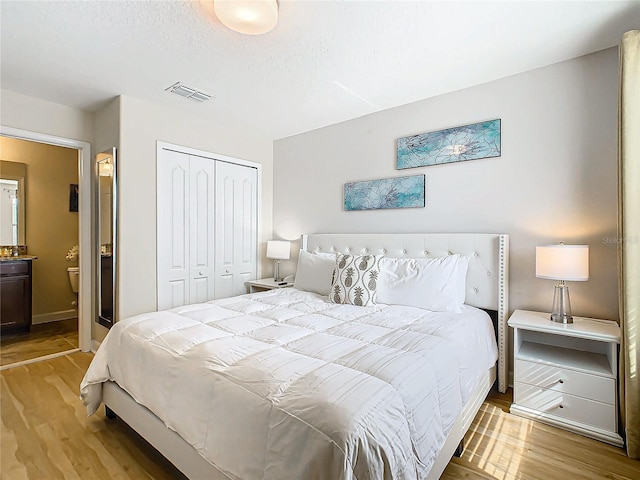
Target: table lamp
{"x": 565, "y": 263}
{"x": 278, "y": 250}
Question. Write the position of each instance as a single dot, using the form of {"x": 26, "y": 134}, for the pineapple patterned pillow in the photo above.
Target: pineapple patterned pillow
{"x": 355, "y": 279}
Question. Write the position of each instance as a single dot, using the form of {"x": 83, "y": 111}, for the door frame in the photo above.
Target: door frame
{"x": 85, "y": 165}
{"x": 224, "y": 158}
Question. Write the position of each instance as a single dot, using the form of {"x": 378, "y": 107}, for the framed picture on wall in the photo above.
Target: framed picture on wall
{"x": 468, "y": 142}
{"x": 397, "y": 192}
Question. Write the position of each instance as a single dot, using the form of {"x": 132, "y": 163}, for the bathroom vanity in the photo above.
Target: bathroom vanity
{"x": 15, "y": 293}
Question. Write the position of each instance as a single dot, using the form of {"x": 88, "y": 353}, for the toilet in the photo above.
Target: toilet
{"x": 74, "y": 278}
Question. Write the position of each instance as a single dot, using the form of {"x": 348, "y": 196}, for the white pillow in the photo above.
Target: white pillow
{"x": 432, "y": 284}
{"x": 332, "y": 256}
{"x": 463, "y": 266}
{"x": 314, "y": 272}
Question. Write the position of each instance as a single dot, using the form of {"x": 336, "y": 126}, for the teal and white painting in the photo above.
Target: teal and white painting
{"x": 457, "y": 144}
{"x": 398, "y": 192}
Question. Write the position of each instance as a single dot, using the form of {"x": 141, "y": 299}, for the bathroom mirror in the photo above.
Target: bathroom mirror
{"x": 106, "y": 235}
{"x": 12, "y": 205}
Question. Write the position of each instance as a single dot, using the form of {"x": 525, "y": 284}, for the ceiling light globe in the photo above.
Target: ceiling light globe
{"x": 251, "y": 17}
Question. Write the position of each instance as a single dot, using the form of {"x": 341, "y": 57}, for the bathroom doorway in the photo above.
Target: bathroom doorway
{"x": 58, "y": 224}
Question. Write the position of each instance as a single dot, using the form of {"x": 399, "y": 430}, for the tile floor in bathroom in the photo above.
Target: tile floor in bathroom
{"x": 43, "y": 339}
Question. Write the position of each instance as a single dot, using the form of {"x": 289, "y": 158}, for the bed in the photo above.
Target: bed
{"x": 287, "y": 384}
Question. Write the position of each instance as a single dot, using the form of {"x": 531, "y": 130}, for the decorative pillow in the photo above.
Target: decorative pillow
{"x": 432, "y": 284}
{"x": 356, "y": 279}
{"x": 314, "y": 272}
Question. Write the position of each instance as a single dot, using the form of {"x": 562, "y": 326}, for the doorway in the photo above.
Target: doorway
{"x": 81, "y": 324}
{"x": 39, "y": 271}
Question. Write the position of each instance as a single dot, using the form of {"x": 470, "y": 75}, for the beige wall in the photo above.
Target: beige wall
{"x": 51, "y": 229}
{"x": 555, "y": 180}
{"x": 142, "y": 124}
{"x": 35, "y": 115}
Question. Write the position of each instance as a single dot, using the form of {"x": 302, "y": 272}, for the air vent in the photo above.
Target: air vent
{"x": 185, "y": 91}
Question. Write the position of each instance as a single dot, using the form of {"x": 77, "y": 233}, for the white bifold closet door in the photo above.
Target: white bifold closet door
{"x": 207, "y": 228}
{"x": 236, "y": 220}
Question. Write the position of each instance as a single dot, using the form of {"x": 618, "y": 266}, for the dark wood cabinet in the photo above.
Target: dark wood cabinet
{"x": 15, "y": 295}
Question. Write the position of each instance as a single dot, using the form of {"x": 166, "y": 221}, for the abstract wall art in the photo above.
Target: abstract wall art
{"x": 457, "y": 144}
{"x": 398, "y": 192}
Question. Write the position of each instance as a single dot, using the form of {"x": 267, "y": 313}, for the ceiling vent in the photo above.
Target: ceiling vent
{"x": 185, "y": 91}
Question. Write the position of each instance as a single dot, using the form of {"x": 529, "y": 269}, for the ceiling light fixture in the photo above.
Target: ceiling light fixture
{"x": 252, "y": 17}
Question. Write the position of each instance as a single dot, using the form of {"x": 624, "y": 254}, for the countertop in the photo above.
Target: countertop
{"x": 18, "y": 257}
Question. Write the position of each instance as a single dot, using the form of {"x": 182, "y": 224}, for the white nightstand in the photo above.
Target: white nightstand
{"x": 565, "y": 375}
{"x": 265, "y": 284}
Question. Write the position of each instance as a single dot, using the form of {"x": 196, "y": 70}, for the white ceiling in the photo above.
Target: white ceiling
{"x": 325, "y": 62}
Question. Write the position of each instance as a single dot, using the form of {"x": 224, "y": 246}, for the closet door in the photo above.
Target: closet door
{"x": 236, "y": 228}
{"x": 173, "y": 202}
{"x": 207, "y": 227}
{"x": 201, "y": 240}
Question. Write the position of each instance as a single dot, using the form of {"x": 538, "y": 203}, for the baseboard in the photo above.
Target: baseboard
{"x": 53, "y": 316}
{"x": 39, "y": 359}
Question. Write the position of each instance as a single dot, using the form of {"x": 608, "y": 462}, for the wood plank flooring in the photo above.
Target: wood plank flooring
{"x": 43, "y": 339}
{"x": 503, "y": 446}
{"x": 45, "y": 434}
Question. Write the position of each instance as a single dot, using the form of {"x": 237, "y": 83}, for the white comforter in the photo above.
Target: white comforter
{"x": 285, "y": 385}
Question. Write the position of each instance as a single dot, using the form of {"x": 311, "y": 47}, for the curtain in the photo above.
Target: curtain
{"x": 629, "y": 237}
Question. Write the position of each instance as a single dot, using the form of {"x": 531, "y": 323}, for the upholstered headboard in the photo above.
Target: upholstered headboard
{"x": 487, "y": 276}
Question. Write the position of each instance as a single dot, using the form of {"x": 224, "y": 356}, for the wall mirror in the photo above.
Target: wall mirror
{"x": 106, "y": 236}
{"x": 12, "y": 204}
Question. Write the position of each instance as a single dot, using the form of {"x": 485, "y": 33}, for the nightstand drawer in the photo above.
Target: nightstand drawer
{"x": 578, "y": 409}
{"x": 591, "y": 387}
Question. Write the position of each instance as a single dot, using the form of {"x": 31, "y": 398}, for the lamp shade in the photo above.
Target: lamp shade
{"x": 278, "y": 249}
{"x": 563, "y": 262}
{"x": 252, "y": 17}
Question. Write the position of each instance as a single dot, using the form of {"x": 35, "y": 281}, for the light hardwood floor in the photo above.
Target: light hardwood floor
{"x": 45, "y": 434}
{"x": 43, "y": 339}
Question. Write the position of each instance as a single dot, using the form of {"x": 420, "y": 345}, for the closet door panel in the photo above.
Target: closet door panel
{"x": 173, "y": 214}
{"x": 224, "y": 285}
{"x": 236, "y": 223}
{"x": 177, "y": 293}
{"x": 201, "y": 229}
{"x": 246, "y": 223}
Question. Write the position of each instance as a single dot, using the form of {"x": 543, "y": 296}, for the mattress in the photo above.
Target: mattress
{"x": 285, "y": 384}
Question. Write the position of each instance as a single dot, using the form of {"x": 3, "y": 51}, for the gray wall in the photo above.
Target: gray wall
{"x": 555, "y": 181}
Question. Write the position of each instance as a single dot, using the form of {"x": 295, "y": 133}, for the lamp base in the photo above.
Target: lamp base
{"x": 561, "y": 311}
{"x": 276, "y": 272}
{"x": 561, "y": 318}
